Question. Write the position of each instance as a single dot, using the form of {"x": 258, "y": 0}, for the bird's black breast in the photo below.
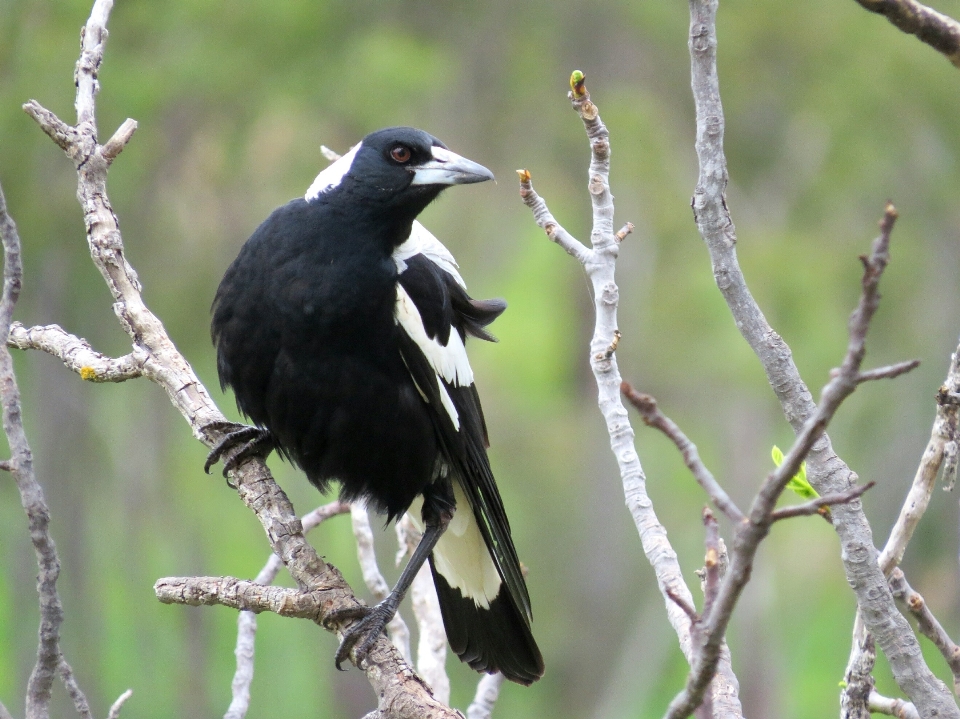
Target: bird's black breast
{"x": 304, "y": 327}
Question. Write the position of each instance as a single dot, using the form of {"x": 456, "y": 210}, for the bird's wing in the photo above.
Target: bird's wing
{"x": 423, "y": 242}
{"x": 435, "y": 314}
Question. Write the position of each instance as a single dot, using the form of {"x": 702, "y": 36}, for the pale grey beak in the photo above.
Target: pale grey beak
{"x": 449, "y": 168}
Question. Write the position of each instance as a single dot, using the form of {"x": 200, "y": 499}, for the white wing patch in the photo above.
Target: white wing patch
{"x": 448, "y": 361}
{"x": 332, "y": 175}
{"x": 422, "y": 242}
{"x": 461, "y": 555}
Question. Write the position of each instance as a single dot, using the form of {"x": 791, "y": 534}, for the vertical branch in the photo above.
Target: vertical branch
{"x": 49, "y": 657}
{"x": 828, "y": 472}
{"x": 599, "y": 262}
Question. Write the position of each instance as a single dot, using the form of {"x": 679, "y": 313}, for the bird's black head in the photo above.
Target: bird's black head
{"x": 400, "y": 168}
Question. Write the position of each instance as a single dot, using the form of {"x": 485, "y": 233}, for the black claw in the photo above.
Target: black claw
{"x": 248, "y": 441}
{"x": 372, "y": 621}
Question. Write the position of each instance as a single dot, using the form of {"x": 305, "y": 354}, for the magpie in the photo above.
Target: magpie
{"x": 340, "y": 327}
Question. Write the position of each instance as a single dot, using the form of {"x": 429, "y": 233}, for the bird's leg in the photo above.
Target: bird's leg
{"x": 438, "y": 508}
{"x": 247, "y": 442}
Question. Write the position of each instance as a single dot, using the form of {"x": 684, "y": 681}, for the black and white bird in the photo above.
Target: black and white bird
{"x": 341, "y": 328}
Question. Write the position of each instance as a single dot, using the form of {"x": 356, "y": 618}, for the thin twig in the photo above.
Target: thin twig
{"x": 899, "y": 708}
{"x": 653, "y": 417}
{"x": 488, "y": 690}
{"x": 750, "y": 534}
{"x": 815, "y": 506}
{"x": 943, "y": 432}
{"x": 927, "y": 623}
{"x": 937, "y": 30}
{"x": 858, "y": 679}
{"x": 118, "y": 705}
{"x": 76, "y": 353}
{"x": 242, "y": 594}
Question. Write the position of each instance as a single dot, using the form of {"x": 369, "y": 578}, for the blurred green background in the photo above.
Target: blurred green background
{"x": 830, "y": 112}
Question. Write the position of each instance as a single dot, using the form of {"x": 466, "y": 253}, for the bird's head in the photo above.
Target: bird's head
{"x": 397, "y": 166}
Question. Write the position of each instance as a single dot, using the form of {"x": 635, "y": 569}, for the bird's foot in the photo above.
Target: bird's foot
{"x": 360, "y": 636}
{"x": 241, "y": 441}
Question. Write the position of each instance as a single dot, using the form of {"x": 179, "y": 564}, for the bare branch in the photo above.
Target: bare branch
{"x": 927, "y": 623}
{"x": 76, "y": 353}
{"x": 239, "y": 594}
{"x": 937, "y": 30}
{"x": 247, "y": 621}
{"x": 488, "y": 690}
{"x": 66, "y": 136}
{"x": 892, "y": 707}
{"x": 548, "y": 223}
{"x": 888, "y": 372}
{"x": 49, "y": 657}
{"x": 118, "y": 705}
{"x": 935, "y": 455}
{"x": 858, "y": 679}
{"x": 600, "y": 265}
{"x": 815, "y": 506}
{"x": 749, "y": 534}
{"x": 4, "y": 712}
{"x": 653, "y": 417}
{"x": 78, "y": 698}
{"x": 827, "y": 471}
{"x": 120, "y": 138}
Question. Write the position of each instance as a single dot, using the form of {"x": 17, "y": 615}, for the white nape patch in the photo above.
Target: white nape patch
{"x": 448, "y": 361}
{"x": 461, "y": 555}
{"x": 423, "y": 242}
{"x": 332, "y": 175}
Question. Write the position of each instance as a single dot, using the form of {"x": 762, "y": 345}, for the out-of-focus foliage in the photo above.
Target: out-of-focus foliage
{"x": 830, "y": 111}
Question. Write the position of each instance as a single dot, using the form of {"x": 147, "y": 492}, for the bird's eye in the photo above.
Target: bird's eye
{"x": 401, "y": 153}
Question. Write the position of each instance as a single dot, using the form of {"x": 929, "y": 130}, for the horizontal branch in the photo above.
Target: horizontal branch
{"x": 888, "y": 372}
{"x": 815, "y": 506}
{"x": 899, "y": 708}
{"x": 76, "y": 353}
{"x": 242, "y": 594}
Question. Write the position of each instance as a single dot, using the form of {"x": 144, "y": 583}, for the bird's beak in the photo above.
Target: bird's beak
{"x": 449, "y": 168}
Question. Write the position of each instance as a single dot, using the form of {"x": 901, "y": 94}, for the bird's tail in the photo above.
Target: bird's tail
{"x": 485, "y": 623}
